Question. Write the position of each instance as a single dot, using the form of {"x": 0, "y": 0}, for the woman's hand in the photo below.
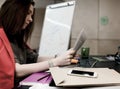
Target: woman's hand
{"x": 64, "y": 59}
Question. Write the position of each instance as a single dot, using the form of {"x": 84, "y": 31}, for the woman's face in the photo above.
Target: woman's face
{"x": 28, "y": 18}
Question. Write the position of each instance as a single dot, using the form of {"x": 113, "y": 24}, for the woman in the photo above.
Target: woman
{"x": 16, "y": 18}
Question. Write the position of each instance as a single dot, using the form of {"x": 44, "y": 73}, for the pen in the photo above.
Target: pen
{"x": 44, "y": 77}
{"x": 48, "y": 78}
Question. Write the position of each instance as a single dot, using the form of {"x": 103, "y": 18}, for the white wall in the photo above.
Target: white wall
{"x": 102, "y": 39}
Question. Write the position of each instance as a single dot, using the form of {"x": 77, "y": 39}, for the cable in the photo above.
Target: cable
{"x": 93, "y": 64}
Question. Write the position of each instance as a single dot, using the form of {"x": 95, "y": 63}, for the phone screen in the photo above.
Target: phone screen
{"x": 82, "y": 72}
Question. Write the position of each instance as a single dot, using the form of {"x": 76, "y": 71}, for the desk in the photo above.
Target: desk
{"x": 88, "y": 63}
{"x": 101, "y": 64}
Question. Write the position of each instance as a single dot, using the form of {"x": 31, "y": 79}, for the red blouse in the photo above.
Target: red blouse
{"x": 7, "y": 64}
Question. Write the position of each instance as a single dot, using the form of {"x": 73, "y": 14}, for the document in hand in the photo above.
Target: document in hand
{"x": 80, "y": 40}
{"x": 106, "y": 76}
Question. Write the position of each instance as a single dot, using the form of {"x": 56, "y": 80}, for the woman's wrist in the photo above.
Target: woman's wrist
{"x": 50, "y": 63}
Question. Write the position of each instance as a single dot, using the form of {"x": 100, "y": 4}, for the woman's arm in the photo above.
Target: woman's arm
{"x": 25, "y": 69}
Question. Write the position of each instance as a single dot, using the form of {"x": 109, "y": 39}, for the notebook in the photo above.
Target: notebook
{"x": 35, "y": 78}
{"x": 105, "y": 77}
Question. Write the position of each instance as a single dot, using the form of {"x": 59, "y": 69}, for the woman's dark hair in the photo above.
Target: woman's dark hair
{"x": 12, "y": 17}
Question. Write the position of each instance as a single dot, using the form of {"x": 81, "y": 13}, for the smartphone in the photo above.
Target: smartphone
{"x": 82, "y": 73}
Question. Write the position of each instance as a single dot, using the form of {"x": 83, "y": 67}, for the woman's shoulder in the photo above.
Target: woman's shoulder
{"x": 2, "y": 32}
